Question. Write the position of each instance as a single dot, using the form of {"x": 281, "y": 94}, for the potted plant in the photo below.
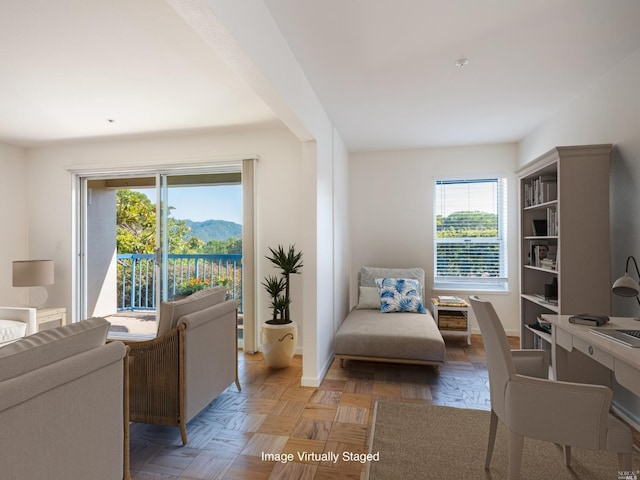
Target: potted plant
{"x": 280, "y": 333}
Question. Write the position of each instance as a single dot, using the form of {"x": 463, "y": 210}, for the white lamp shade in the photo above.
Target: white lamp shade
{"x": 32, "y": 273}
{"x": 626, "y": 287}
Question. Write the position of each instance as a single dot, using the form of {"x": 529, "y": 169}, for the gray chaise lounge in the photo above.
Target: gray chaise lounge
{"x": 367, "y": 334}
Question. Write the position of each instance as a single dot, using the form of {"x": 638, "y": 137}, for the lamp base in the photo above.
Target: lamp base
{"x": 33, "y": 297}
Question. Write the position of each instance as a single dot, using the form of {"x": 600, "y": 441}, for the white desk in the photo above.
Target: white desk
{"x": 581, "y": 356}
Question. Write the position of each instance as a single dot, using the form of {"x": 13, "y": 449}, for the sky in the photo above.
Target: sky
{"x": 221, "y": 202}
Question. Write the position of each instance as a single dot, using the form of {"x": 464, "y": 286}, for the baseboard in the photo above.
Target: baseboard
{"x": 315, "y": 382}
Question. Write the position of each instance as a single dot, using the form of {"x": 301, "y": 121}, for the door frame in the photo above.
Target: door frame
{"x": 79, "y": 223}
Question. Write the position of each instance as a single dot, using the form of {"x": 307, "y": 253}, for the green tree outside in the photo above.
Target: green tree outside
{"x": 136, "y": 234}
{"x": 136, "y": 227}
{"x": 468, "y": 260}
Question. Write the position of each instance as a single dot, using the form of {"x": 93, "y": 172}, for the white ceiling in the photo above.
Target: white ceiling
{"x": 68, "y": 66}
{"x": 384, "y": 70}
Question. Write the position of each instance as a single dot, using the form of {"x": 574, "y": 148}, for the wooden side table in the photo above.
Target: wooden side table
{"x": 452, "y": 319}
{"x": 45, "y": 317}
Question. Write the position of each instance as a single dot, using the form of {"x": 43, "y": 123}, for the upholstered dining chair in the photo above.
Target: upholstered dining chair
{"x": 530, "y": 405}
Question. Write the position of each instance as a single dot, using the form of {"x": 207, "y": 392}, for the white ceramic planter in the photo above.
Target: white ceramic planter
{"x": 279, "y": 343}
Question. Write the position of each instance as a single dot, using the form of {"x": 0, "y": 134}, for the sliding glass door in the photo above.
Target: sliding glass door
{"x": 153, "y": 237}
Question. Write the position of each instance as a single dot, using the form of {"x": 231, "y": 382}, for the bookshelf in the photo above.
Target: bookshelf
{"x": 564, "y": 236}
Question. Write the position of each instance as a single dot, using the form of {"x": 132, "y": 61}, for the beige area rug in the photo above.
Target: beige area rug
{"x": 419, "y": 441}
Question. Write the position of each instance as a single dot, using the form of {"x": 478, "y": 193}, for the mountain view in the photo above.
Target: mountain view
{"x": 214, "y": 230}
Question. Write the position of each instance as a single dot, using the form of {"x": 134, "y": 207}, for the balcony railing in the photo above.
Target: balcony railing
{"x": 137, "y": 280}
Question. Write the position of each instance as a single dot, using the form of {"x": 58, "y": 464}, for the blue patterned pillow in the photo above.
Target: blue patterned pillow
{"x": 399, "y": 295}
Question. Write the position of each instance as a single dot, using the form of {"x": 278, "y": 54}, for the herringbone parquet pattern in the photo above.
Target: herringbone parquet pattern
{"x": 273, "y": 414}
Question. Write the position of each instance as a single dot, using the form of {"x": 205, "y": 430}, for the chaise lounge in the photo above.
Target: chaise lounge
{"x": 408, "y": 336}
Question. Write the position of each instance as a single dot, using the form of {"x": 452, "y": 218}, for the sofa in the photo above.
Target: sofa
{"x": 63, "y": 405}
{"x": 405, "y": 332}
{"x": 193, "y": 359}
{"x": 16, "y": 322}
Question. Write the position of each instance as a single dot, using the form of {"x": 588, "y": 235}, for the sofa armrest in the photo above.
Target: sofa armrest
{"x": 21, "y": 314}
{"x": 197, "y": 319}
{"x": 19, "y": 389}
{"x": 211, "y": 354}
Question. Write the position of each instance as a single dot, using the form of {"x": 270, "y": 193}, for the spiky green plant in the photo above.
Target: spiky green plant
{"x": 274, "y": 287}
{"x": 290, "y": 263}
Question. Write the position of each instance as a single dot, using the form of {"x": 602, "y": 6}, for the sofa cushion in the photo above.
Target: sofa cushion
{"x": 407, "y": 336}
{"x": 368, "y": 275}
{"x": 50, "y": 346}
{"x": 170, "y": 312}
{"x": 11, "y": 330}
{"x": 369, "y": 298}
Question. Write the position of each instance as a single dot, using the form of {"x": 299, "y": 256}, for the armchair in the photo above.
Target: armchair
{"x": 570, "y": 414}
{"x": 175, "y": 375}
{"x": 16, "y": 322}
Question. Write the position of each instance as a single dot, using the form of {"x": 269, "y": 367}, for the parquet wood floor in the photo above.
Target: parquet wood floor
{"x": 273, "y": 414}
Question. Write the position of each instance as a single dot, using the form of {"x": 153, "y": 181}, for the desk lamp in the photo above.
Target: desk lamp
{"x": 627, "y": 286}
{"x": 34, "y": 275}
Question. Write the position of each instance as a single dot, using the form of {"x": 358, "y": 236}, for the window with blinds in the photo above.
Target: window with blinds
{"x": 470, "y": 234}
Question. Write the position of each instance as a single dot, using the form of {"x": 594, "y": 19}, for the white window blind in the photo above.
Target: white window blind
{"x": 470, "y": 234}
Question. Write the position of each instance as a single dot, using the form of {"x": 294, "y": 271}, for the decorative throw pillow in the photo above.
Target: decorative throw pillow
{"x": 369, "y": 298}
{"x": 399, "y": 295}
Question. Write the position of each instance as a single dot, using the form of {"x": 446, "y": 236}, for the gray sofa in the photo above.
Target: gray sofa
{"x": 399, "y": 337}
{"x": 63, "y": 405}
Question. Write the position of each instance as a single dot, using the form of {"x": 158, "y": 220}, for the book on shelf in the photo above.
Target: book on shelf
{"x": 538, "y": 253}
{"x": 540, "y": 190}
{"x": 543, "y": 255}
{"x": 544, "y": 324}
{"x": 549, "y": 301}
{"x": 552, "y": 222}
{"x": 548, "y": 263}
{"x": 541, "y": 326}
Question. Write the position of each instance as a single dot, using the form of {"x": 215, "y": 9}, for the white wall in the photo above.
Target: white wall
{"x": 278, "y": 178}
{"x": 342, "y": 232}
{"x": 391, "y": 200}
{"x": 247, "y": 37}
{"x": 13, "y": 242}
{"x": 607, "y": 112}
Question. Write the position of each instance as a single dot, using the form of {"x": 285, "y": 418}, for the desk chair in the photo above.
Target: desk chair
{"x": 569, "y": 414}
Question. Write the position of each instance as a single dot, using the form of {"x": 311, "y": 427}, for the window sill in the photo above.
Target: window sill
{"x": 472, "y": 289}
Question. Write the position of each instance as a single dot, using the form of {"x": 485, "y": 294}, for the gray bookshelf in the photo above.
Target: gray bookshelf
{"x": 564, "y": 233}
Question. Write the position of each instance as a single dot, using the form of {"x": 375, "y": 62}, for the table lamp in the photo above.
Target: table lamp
{"x": 626, "y": 286}
{"x": 33, "y": 275}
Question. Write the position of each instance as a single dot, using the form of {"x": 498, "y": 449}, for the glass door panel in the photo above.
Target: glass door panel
{"x": 150, "y": 238}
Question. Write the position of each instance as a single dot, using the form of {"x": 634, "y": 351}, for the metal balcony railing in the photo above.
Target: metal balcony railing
{"x": 137, "y": 279}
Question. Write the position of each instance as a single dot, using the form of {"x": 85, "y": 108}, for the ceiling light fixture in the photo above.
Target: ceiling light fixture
{"x": 462, "y": 62}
